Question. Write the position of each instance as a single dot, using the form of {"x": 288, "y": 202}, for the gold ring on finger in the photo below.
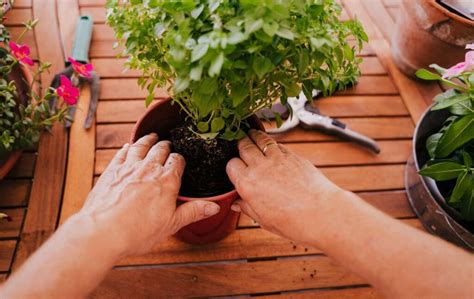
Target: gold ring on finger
{"x": 267, "y": 145}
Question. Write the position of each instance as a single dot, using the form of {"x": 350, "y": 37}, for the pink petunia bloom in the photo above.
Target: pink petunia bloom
{"x": 83, "y": 70}
{"x": 465, "y": 66}
{"x": 67, "y": 91}
{"x": 470, "y": 46}
{"x": 21, "y": 53}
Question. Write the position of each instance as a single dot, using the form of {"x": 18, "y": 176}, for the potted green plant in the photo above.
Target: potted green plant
{"x": 222, "y": 61}
{"x": 24, "y": 113}
{"x": 444, "y": 153}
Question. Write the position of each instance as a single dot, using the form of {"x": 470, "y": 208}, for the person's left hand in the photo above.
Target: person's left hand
{"x": 135, "y": 198}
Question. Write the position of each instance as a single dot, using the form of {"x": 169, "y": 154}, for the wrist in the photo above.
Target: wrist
{"x": 327, "y": 215}
{"x": 102, "y": 238}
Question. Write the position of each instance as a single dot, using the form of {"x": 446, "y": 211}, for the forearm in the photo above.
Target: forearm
{"x": 69, "y": 265}
{"x": 397, "y": 259}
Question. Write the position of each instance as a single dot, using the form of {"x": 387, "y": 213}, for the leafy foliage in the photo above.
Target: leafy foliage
{"x": 452, "y": 148}
{"x": 224, "y": 60}
{"x": 21, "y": 125}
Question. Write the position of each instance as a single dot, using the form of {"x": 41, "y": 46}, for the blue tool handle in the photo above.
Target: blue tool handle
{"x": 82, "y": 40}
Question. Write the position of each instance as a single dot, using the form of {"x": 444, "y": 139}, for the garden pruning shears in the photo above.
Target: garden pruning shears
{"x": 80, "y": 53}
{"x": 309, "y": 117}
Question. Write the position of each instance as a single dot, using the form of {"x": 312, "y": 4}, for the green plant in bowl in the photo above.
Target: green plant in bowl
{"x": 452, "y": 148}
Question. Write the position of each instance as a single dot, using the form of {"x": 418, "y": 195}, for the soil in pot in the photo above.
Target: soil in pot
{"x": 206, "y": 160}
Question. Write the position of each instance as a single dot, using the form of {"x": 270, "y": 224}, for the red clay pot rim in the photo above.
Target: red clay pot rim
{"x": 220, "y": 197}
{"x": 142, "y": 117}
{"x": 452, "y": 15}
{"x": 212, "y": 198}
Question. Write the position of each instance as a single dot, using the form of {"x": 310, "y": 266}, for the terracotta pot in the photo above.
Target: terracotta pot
{"x": 160, "y": 118}
{"x": 20, "y": 74}
{"x": 424, "y": 193}
{"x": 427, "y": 33}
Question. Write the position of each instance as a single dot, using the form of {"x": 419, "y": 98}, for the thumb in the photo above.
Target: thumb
{"x": 194, "y": 211}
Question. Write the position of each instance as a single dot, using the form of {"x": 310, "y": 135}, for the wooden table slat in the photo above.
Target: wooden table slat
{"x": 353, "y": 293}
{"x": 92, "y": 2}
{"x": 11, "y": 229}
{"x": 44, "y": 203}
{"x": 98, "y": 13}
{"x": 7, "y": 249}
{"x": 24, "y": 167}
{"x": 17, "y": 16}
{"x": 14, "y": 193}
{"x": 22, "y": 4}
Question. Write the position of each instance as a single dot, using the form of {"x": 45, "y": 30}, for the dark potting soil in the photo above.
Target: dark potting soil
{"x": 206, "y": 161}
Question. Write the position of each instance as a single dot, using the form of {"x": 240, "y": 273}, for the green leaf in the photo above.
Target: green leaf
{"x": 439, "y": 69}
{"x": 303, "y": 62}
{"x": 432, "y": 143}
{"x": 467, "y": 203}
{"x": 285, "y": 33}
{"x": 292, "y": 89}
{"x": 261, "y": 66}
{"x": 471, "y": 79}
{"x": 443, "y": 171}
{"x": 180, "y": 84}
{"x": 448, "y": 99}
{"x": 239, "y": 93}
{"x": 236, "y": 37}
{"x": 461, "y": 187}
{"x": 460, "y": 132}
{"x": 427, "y": 75}
{"x": 199, "y": 51}
{"x": 217, "y": 124}
{"x": 270, "y": 28}
{"x": 203, "y": 126}
{"x": 462, "y": 108}
{"x": 252, "y": 25}
{"x": 149, "y": 99}
{"x": 467, "y": 159}
{"x": 278, "y": 119}
{"x": 196, "y": 73}
{"x": 216, "y": 65}
{"x": 207, "y": 86}
{"x": 197, "y": 11}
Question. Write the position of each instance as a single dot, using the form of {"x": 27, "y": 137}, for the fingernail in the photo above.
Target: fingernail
{"x": 153, "y": 134}
{"x": 211, "y": 209}
{"x": 235, "y": 208}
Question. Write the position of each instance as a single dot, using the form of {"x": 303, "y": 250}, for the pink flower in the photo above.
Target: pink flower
{"x": 21, "y": 53}
{"x": 465, "y": 66}
{"x": 67, "y": 91}
{"x": 82, "y": 69}
{"x": 470, "y": 46}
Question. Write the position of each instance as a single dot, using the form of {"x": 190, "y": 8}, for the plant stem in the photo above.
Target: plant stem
{"x": 21, "y": 35}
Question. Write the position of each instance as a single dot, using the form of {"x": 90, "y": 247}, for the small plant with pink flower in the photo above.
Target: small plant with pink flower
{"x": 24, "y": 112}
{"x": 452, "y": 148}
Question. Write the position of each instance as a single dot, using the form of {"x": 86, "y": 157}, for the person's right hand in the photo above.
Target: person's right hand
{"x": 135, "y": 198}
{"x": 283, "y": 192}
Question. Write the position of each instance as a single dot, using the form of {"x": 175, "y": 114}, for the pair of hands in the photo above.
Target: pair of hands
{"x": 136, "y": 196}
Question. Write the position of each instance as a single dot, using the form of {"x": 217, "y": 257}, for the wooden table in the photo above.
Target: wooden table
{"x": 44, "y": 190}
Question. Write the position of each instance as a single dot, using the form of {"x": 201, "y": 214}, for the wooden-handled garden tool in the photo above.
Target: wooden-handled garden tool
{"x": 80, "y": 53}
